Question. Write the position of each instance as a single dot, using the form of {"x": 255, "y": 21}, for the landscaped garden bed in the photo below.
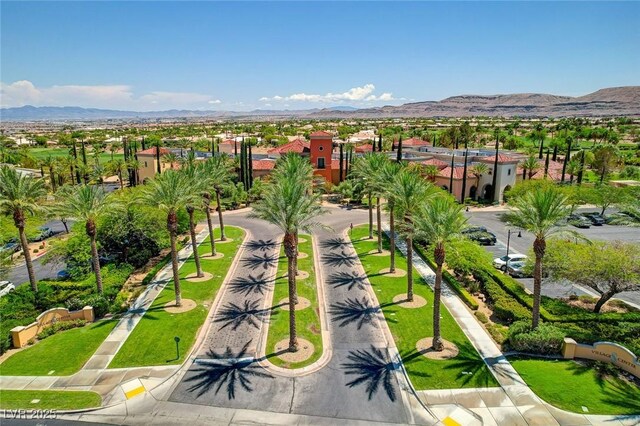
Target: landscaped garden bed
{"x": 307, "y": 319}
{"x": 152, "y": 341}
{"x": 408, "y": 326}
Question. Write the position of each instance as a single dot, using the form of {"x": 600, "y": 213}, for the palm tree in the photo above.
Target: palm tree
{"x": 290, "y": 204}
{"x": 114, "y": 147}
{"x": 430, "y": 172}
{"x": 438, "y": 223}
{"x": 170, "y": 158}
{"x": 410, "y": 192}
{"x": 218, "y": 170}
{"x": 538, "y": 211}
{"x": 478, "y": 170}
{"x": 50, "y": 163}
{"x": 365, "y": 169}
{"x": 169, "y": 192}
{"x": 530, "y": 165}
{"x": 386, "y": 176}
{"x": 86, "y": 203}
{"x": 20, "y": 195}
{"x": 191, "y": 173}
{"x": 118, "y": 167}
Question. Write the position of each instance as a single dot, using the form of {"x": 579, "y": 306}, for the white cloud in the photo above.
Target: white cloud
{"x": 24, "y": 92}
{"x": 355, "y": 95}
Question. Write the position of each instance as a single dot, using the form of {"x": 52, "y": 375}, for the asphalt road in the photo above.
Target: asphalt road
{"x": 491, "y": 220}
{"x": 18, "y": 273}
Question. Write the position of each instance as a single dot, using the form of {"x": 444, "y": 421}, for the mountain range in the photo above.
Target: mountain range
{"x": 615, "y": 101}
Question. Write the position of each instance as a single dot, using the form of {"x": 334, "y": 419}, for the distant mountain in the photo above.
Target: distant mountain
{"x": 616, "y": 101}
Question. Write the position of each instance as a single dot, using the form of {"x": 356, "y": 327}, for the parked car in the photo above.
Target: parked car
{"x": 481, "y": 235}
{"x": 45, "y": 232}
{"x": 63, "y": 275}
{"x": 579, "y": 221}
{"x": 6, "y": 287}
{"x": 501, "y": 262}
{"x": 11, "y": 247}
{"x": 516, "y": 269}
{"x": 595, "y": 218}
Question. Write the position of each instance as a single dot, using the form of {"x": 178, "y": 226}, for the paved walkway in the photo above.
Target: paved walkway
{"x": 514, "y": 403}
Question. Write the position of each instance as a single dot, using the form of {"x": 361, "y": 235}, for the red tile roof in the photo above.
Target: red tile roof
{"x": 263, "y": 164}
{"x": 501, "y": 159}
{"x": 458, "y": 172}
{"x": 297, "y": 145}
{"x": 321, "y": 134}
{"x": 554, "y": 172}
{"x": 228, "y": 142}
{"x": 435, "y": 162}
{"x": 154, "y": 151}
{"x": 364, "y": 148}
{"x": 415, "y": 142}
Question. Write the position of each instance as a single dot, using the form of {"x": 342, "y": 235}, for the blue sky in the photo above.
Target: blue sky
{"x": 289, "y": 55}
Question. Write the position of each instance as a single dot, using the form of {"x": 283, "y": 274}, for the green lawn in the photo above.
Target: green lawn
{"x": 410, "y": 325}
{"x": 152, "y": 341}
{"x": 49, "y": 400}
{"x": 307, "y": 320}
{"x": 42, "y": 153}
{"x": 570, "y": 386}
{"x": 63, "y": 353}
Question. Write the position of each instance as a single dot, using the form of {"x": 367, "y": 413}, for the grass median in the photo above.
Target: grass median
{"x": 466, "y": 370}
{"x": 152, "y": 341}
{"x": 307, "y": 320}
{"x": 571, "y": 386}
{"x": 48, "y": 400}
{"x": 62, "y": 354}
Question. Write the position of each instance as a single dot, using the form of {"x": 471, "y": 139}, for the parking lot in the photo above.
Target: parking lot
{"x": 491, "y": 220}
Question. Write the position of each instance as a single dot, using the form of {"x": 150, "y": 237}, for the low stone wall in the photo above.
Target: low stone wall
{"x": 21, "y": 335}
{"x": 603, "y": 351}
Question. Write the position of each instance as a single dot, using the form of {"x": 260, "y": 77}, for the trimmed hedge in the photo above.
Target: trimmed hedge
{"x": 505, "y": 306}
{"x": 165, "y": 260}
{"x": 546, "y": 339}
{"x": 450, "y": 279}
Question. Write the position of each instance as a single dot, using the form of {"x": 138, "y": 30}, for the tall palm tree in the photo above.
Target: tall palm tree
{"x": 478, "y": 170}
{"x": 289, "y": 203}
{"x": 50, "y": 163}
{"x": 86, "y": 203}
{"x": 410, "y": 192}
{"x": 170, "y": 192}
{"x": 171, "y": 159}
{"x": 538, "y": 211}
{"x": 365, "y": 169}
{"x": 190, "y": 170}
{"x": 530, "y": 166}
{"x": 218, "y": 169}
{"x": 430, "y": 172}
{"x": 440, "y": 222}
{"x": 386, "y": 176}
{"x": 20, "y": 195}
{"x": 119, "y": 168}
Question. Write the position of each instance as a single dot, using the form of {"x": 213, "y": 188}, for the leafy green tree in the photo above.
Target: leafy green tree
{"x": 289, "y": 204}
{"x": 118, "y": 167}
{"x": 538, "y": 211}
{"x": 86, "y": 204}
{"x": 410, "y": 191}
{"x": 439, "y": 222}
{"x": 608, "y": 267}
{"x": 605, "y": 159}
{"x": 170, "y": 192}
{"x": 21, "y": 195}
{"x": 604, "y": 196}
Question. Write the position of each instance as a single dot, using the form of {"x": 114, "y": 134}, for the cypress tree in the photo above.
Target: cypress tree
{"x": 380, "y": 142}
{"x": 566, "y": 158}
{"x": 453, "y": 156}
{"x": 250, "y": 163}
{"x": 399, "y": 153}
{"x": 464, "y": 177}
{"x": 75, "y": 164}
{"x": 583, "y": 154}
{"x": 546, "y": 165}
{"x": 495, "y": 167}
{"x": 341, "y": 162}
{"x": 242, "y": 164}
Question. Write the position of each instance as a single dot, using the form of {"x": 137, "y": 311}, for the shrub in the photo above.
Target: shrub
{"x": 99, "y": 303}
{"x": 546, "y": 339}
{"x": 504, "y": 306}
{"x": 481, "y": 317}
{"x": 120, "y": 303}
{"x": 498, "y": 332}
{"x": 74, "y": 304}
{"x": 60, "y": 326}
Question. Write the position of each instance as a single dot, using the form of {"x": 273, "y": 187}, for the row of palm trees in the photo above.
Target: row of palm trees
{"x": 191, "y": 188}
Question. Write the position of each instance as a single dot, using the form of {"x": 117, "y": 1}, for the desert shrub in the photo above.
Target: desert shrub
{"x": 60, "y": 326}
{"x": 545, "y": 339}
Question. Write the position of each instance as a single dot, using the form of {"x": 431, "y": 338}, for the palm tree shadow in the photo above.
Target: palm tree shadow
{"x": 372, "y": 368}
{"x": 471, "y": 366}
{"x": 261, "y": 245}
{"x": 334, "y": 243}
{"x": 250, "y": 284}
{"x": 339, "y": 259}
{"x": 234, "y": 370}
{"x": 233, "y": 315}
{"x": 256, "y": 261}
{"x": 355, "y": 311}
{"x": 347, "y": 279}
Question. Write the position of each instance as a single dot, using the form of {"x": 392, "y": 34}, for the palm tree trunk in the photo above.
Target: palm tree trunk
{"x": 370, "y": 216}
{"x": 27, "y": 257}
{"x": 194, "y": 243}
{"x": 392, "y": 239}
{"x": 379, "y": 224}
{"x": 90, "y": 227}
{"x": 439, "y": 254}
{"x": 222, "y": 236}
{"x": 210, "y": 225}
{"x": 120, "y": 179}
{"x": 539, "y": 246}
{"x": 409, "y": 242}
{"x": 172, "y": 225}
{"x": 53, "y": 179}
{"x": 291, "y": 251}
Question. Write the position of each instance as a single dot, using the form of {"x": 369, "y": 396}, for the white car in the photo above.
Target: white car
{"x": 501, "y": 262}
{"x": 6, "y": 287}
